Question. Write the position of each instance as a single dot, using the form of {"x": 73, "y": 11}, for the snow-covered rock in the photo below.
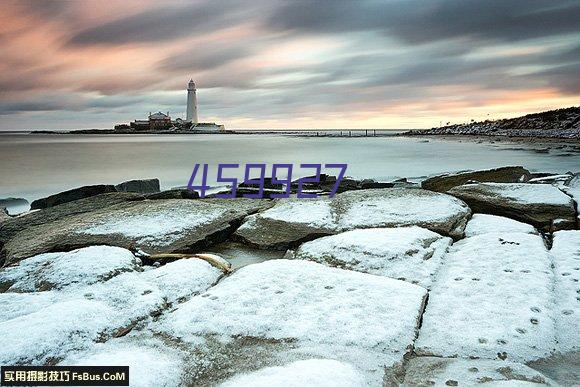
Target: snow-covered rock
{"x": 302, "y": 373}
{"x": 285, "y": 310}
{"x": 410, "y": 254}
{"x": 566, "y": 254}
{"x": 493, "y": 298}
{"x": 537, "y": 204}
{"x": 437, "y": 371}
{"x": 287, "y": 222}
{"x": 79, "y": 267}
{"x": 59, "y": 321}
{"x": 151, "y": 362}
{"x": 151, "y": 225}
{"x": 293, "y": 221}
{"x": 397, "y": 207}
{"x": 485, "y": 224}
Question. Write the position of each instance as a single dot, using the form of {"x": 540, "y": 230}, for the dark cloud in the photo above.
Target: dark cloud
{"x": 565, "y": 78}
{"x": 158, "y": 24}
{"x": 207, "y": 58}
{"x": 418, "y": 22}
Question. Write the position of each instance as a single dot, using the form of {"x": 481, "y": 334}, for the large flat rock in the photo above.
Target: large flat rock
{"x": 276, "y": 312}
{"x": 150, "y": 225}
{"x": 410, "y": 254}
{"x": 437, "y": 371}
{"x": 73, "y": 318}
{"x": 289, "y": 222}
{"x": 292, "y": 222}
{"x": 566, "y": 254}
{"x": 537, "y": 204}
{"x": 493, "y": 298}
{"x": 14, "y": 225}
{"x": 444, "y": 182}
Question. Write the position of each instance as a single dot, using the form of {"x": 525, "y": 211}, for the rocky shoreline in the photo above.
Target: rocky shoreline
{"x": 467, "y": 278}
{"x": 561, "y": 124}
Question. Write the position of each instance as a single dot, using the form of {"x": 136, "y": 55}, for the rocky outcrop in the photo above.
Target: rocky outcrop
{"x": 174, "y": 194}
{"x": 291, "y": 222}
{"x": 4, "y": 215}
{"x": 560, "y": 123}
{"x": 154, "y": 226}
{"x": 537, "y": 204}
{"x": 443, "y": 183}
{"x": 146, "y": 186}
{"x": 71, "y": 195}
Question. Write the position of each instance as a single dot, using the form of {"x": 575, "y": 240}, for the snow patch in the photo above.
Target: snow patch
{"x": 484, "y": 224}
{"x": 411, "y": 254}
{"x": 304, "y": 373}
{"x": 151, "y": 362}
{"x": 58, "y": 270}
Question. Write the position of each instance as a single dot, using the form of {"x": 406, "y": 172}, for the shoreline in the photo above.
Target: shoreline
{"x": 491, "y": 138}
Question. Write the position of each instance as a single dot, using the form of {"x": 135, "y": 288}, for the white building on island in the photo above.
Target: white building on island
{"x": 161, "y": 122}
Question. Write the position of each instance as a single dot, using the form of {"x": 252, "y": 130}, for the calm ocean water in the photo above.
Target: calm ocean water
{"x": 33, "y": 166}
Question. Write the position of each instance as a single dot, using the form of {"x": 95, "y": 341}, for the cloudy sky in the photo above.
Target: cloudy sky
{"x": 291, "y": 63}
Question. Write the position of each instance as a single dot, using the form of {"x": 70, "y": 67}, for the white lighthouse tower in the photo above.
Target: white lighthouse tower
{"x": 191, "y": 103}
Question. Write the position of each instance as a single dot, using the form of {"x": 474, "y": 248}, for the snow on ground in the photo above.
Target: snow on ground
{"x": 159, "y": 225}
{"x": 410, "y": 254}
{"x": 493, "y": 298}
{"x": 484, "y": 224}
{"x": 51, "y": 332}
{"x": 14, "y": 305}
{"x": 303, "y": 373}
{"x": 58, "y": 270}
{"x": 566, "y": 254}
{"x": 437, "y": 371}
{"x": 38, "y": 327}
{"x": 366, "y": 320}
{"x": 151, "y": 362}
{"x": 315, "y": 213}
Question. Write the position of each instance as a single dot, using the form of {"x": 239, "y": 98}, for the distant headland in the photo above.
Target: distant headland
{"x": 552, "y": 124}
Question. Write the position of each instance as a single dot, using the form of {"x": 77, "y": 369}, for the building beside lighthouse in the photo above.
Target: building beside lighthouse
{"x": 162, "y": 122}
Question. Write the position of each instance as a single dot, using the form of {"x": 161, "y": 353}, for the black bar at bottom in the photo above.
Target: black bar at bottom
{"x": 64, "y": 376}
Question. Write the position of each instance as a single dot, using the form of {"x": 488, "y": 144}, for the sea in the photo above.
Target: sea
{"x": 37, "y": 165}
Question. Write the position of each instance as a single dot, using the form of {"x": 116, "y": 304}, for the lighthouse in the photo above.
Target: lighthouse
{"x": 191, "y": 103}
